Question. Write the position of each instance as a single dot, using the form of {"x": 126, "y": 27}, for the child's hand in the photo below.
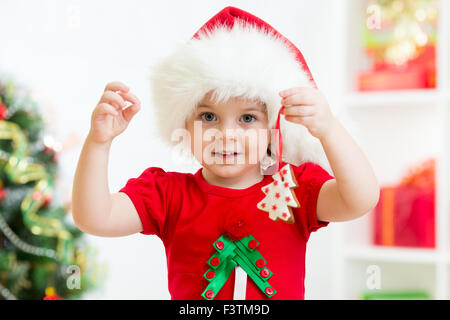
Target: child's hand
{"x": 109, "y": 119}
{"x": 308, "y": 107}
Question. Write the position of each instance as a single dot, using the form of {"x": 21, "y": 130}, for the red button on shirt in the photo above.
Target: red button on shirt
{"x": 220, "y": 245}
{"x": 264, "y": 273}
{"x": 209, "y": 294}
{"x": 252, "y": 244}
{"x": 269, "y": 290}
{"x": 214, "y": 261}
{"x": 260, "y": 263}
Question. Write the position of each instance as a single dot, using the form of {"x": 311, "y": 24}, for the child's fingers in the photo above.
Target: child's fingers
{"x": 294, "y": 90}
{"x": 114, "y": 99}
{"x": 130, "y": 112}
{"x": 130, "y": 97}
{"x": 116, "y": 86}
{"x": 288, "y": 92}
{"x": 305, "y": 121}
{"x": 302, "y": 111}
{"x": 299, "y": 98}
{"x": 105, "y": 108}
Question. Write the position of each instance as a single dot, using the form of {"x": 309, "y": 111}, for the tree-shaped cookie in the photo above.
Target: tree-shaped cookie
{"x": 280, "y": 196}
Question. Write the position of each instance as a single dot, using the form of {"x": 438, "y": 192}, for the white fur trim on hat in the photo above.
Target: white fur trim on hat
{"x": 243, "y": 61}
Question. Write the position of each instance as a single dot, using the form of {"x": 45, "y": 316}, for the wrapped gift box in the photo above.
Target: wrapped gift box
{"x": 413, "y": 78}
{"x": 405, "y": 214}
{"x": 419, "y": 73}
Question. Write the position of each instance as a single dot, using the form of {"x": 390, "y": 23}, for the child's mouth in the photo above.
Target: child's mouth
{"x": 226, "y": 155}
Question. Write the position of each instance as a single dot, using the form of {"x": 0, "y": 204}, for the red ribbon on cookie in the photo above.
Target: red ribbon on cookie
{"x": 280, "y": 140}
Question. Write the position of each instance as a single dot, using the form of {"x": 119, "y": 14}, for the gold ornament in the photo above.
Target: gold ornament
{"x": 19, "y": 170}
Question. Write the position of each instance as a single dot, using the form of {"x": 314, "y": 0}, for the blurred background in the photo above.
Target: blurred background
{"x": 383, "y": 65}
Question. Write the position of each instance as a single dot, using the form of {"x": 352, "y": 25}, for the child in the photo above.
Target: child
{"x": 237, "y": 74}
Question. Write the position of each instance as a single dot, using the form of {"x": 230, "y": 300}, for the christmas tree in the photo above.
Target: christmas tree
{"x": 42, "y": 256}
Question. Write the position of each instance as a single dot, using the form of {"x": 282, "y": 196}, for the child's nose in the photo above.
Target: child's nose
{"x": 229, "y": 135}
{"x": 228, "y": 132}
{"x": 227, "y": 126}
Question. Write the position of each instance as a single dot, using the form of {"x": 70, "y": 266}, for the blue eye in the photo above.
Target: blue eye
{"x": 248, "y": 117}
{"x": 209, "y": 114}
{"x": 208, "y": 117}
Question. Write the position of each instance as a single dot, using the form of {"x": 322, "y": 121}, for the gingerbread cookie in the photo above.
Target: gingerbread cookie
{"x": 279, "y": 197}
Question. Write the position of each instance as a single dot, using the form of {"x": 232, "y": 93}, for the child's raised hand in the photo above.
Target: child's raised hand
{"x": 308, "y": 107}
{"x": 109, "y": 119}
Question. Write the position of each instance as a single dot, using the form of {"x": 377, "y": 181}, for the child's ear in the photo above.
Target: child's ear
{"x": 269, "y": 139}
{"x": 269, "y": 142}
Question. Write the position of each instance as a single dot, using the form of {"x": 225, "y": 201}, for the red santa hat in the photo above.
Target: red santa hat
{"x": 234, "y": 54}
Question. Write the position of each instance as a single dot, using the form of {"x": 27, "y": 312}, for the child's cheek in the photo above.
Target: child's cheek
{"x": 255, "y": 146}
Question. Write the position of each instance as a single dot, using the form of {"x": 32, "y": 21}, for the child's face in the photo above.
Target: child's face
{"x": 238, "y": 125}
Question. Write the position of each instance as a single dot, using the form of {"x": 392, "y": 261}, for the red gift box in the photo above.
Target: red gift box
{"x": 405, "y": 214}
{"x": 389, "y": 79}
{"x": 418, "y": 73}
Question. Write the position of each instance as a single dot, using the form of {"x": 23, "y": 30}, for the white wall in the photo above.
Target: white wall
{"x": 66, "y": 51}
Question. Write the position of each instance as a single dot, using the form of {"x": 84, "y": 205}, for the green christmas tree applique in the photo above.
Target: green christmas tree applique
{"x": 228, "y": 255}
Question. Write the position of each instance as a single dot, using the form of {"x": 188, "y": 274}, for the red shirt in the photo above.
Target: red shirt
{"x": 187, "y": 214}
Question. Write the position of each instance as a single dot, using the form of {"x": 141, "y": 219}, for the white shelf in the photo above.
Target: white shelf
{"x": 394, "y": 254}
{"x": 392, "y": 98}
{"x": 394, "y": 117}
